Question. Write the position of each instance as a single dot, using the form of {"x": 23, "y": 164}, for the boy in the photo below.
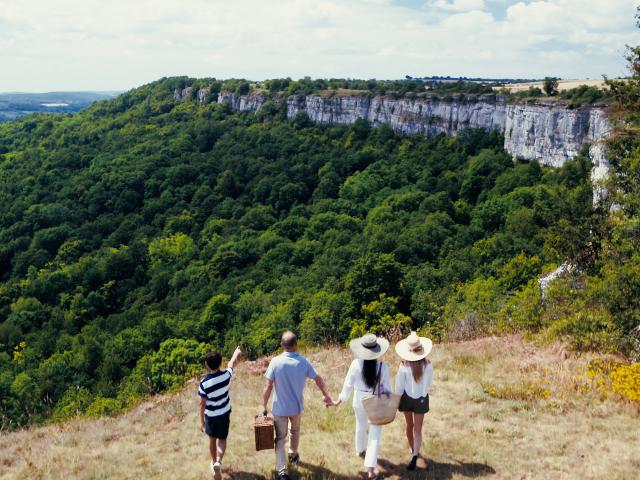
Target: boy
{"x": 215, "y": 406}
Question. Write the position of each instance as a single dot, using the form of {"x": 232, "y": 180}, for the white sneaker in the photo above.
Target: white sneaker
{"x": 216, "y": 469}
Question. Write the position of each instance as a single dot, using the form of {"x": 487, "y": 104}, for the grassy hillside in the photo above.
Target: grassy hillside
{"x": 500, "y": 408}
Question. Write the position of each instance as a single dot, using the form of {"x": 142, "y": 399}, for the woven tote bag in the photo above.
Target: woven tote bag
{"x": 380, "y": 408}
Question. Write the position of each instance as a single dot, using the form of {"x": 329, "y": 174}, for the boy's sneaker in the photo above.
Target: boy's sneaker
{"x": 216, "y": 469}
{"x": 283, "y": 476}
{"x": 294, "y": 458}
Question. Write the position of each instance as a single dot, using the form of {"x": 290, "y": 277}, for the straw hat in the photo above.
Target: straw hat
{"x": 413, "y": 347}
{"x": 369, "y": 347}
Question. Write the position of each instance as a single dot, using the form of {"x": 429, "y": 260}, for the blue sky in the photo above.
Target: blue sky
{"x": 498, "y": 8}
{"x": 98, "y": 45}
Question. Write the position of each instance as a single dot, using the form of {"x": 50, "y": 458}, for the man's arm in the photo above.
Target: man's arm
{"x": 234, "y": 358}
{"x": 323, "y": 388}
{"x": 203, "y": 404}
{"x": 266, "y": 394}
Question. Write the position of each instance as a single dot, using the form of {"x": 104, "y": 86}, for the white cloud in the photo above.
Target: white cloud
{"x": 459, "y": 5}
{"x": 93, "y": 44}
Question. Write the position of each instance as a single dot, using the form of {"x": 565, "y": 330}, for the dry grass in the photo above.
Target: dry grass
{"x": 501, "y": 408}
{"x": 562, "y": 85}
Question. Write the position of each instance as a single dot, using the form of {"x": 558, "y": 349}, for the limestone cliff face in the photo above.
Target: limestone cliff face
{"x": 242, "y": 103}
{"x": 550, "y": 133}
{"x": 406, "y": 115}
{"x": 543, "y": 131}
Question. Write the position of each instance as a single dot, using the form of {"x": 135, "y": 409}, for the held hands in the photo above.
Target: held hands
{"x": 328, "y": 402}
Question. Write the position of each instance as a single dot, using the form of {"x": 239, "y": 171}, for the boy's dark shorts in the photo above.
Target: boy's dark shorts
{"x": 217, "y": 427}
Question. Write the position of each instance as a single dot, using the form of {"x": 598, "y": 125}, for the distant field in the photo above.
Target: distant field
{"x": 500, "y": 409}
{"x": 17, "y": 105}
{"x": 562, "y": 85}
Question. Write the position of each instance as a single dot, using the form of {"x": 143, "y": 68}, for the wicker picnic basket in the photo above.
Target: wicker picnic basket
{"x": 264, "y": 429}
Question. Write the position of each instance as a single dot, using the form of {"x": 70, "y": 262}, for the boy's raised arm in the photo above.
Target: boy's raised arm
{"x": 234, "y": 358}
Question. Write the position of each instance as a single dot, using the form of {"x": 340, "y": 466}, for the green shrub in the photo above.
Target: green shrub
{"x": 618, "y": 290}
{"x": 326, "y": 319}
{"x": 583, "y": 94}
{"x": 103, "y": 406}
{"x": 523, "y": 310}
{"x": 167, "y": 368}
{"x": 381, "y": 317}
{"x": 587, "y": 330}
{"x": 73, "y": 403}
{"x": 472, "y": 309}
{"x": 263, "y": 333}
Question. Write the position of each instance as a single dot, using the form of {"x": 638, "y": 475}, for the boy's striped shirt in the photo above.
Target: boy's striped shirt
{"x": 214, "y": 388}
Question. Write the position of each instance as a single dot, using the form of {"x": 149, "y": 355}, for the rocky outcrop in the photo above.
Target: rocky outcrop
{"x": 551, "y": 134}
{"x": 544, "y": 131}
{"x": 562, "y": 271}
{"x": 182, "y": 93}
{"x": 242, "y": 103}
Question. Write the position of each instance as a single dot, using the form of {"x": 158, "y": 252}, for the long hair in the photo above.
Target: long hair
{"x": 417, "y": 368}
{"x": 370, "y": 372}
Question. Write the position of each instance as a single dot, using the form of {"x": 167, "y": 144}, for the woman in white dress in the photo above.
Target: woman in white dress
{"x": 412, "y": 383}
{"x": 366, "y": 376}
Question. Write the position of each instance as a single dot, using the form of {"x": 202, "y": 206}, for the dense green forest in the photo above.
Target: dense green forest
{"x": 142, "y": 231}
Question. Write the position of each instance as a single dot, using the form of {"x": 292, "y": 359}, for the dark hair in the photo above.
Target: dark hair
{"x": 370, "y": 372}
{"x": 213, "y": 360}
